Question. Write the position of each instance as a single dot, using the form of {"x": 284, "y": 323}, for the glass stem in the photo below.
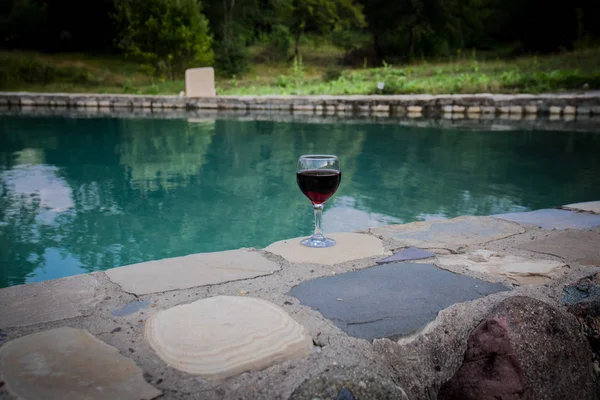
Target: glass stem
{"x": 318, "y": 235}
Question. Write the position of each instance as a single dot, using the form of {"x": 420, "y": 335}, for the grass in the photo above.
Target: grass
{"x": 314, "y": 74}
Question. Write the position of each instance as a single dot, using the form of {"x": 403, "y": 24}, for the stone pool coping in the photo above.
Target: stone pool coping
{"x": 114, "y": 305}
{"x": 501, "y": 122}
{"x": 584, "y": 104}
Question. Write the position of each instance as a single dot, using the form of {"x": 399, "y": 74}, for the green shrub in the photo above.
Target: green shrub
{"x": 231, "y": 58}
{"x": 279, "y": 42}
{"x": 297, "y": 71}
{"x": 171, "y": 34}
{"x": 332, "y": 73}
{"x": 283, "y": 82}
{"x": 350, "y": 39}
{"x": 396, "y": 86}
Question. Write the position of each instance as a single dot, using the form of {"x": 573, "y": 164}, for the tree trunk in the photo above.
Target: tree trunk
{"x": 378, "y": 50}
{"x": 227, "y": 20}
{"x": 225, "y": 27}
{"x": 297, "y": 43}
{"x": 411, "y": 46}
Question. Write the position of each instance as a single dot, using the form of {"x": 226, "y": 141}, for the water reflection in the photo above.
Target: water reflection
{"x": 78, "y": 195}
{"x": 39, "y": 183}
{"x": 345, "y": 216}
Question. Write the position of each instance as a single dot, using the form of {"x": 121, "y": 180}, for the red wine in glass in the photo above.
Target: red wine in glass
{"x": 318, "y": 177}
{"x": 318, "y": 184}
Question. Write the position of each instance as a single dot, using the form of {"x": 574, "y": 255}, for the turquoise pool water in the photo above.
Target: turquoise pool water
{"x": 80, "y": 195}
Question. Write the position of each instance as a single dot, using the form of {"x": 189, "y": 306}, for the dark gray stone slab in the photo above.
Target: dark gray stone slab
{"x": 391, "y": 300}
{"x": 553, "y": 219}
{"x": 410, "y": 253}
{"x": 131, "y": 308}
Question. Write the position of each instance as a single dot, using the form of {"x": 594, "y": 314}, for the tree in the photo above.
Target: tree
{"x": 232, "y": 22}
{"x": 406, "y": 28}
{"x": 22, "y": 22}
{"x": 322, "y": 16}
{"x": 232, "y": 57}
{"x": 171, "y": 34}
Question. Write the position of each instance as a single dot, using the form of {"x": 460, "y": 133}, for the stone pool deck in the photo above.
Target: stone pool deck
{"x": 449, "y": 309}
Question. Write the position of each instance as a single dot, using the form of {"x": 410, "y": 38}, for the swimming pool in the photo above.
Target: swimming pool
{"x": 85, "y": 194}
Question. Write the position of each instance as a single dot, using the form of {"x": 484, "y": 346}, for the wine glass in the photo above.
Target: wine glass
{"x": 318, "y": 177}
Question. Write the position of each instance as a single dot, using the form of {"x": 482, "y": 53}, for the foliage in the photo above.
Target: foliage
{"x": 404, "y": 29}
{"x": 57, "y": 25}
{"x": 332, "y": 73}
{"x": 231, "y": 58}
{"x": 322, "y": 16}
{"x": 407, "y": 30}
{"x": 170, "y": 34}
{"x": 280, "y": 41}
{"x": 350, "y": 39}
{"x": 525, "y": 75}
{"x": 397, "y": 32}
{"x": 80, "y": 73}
{"x": 297, "y": 70}
{"x": 20, "y": 21}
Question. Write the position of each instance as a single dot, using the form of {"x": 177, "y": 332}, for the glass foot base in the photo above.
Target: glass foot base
{"x": 318, "y": 242}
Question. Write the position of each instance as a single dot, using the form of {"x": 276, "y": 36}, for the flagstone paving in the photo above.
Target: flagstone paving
{"x": 68, "y": 363}
{"x": 391, "y": 300}
{"x": 589, "y": 206}
{"x": 521, "y": 270}
{"x": 350, "y": 246}
{"x": 553, "y": 219}
{"x": 452, "y": 233}
{"x": 224, "y": 336}
{"x": 231, "y": 345}
{"x": 191, "y": 271}
{"x": 131, "y": 308}
{"x": 578, "y": 246}
{"x": 48, "y": 301}
{"x": 410, "y": 253}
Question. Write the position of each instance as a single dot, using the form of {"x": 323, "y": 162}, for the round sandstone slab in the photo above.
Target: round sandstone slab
{"x": 348, "y": 247}
{"x": 224, "y": 336}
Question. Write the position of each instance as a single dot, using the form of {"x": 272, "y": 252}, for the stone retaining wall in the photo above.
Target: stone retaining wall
{"x": 584, "y": 104}
{"x": 554, "y": 122}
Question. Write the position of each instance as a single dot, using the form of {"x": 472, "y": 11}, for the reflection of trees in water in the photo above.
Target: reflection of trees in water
{"x": 149, "y": 189}
{"x": 155, "y": 157}
{"x": 122, "y": 213}
{"x": 252, "y": 183}
{"x": 451, "y": 173}
{"x": 153, "y": 207}
{"x": 22, "y": 240}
